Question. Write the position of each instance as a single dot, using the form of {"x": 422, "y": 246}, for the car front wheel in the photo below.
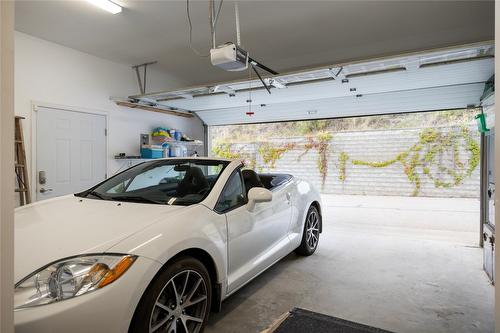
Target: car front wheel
{"x": 178, "y": 300}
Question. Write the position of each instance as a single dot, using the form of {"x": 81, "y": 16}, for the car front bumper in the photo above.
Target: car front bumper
{"x": 108, "y": 310}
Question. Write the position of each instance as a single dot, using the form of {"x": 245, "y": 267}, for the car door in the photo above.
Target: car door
{"x": 255, "y": 239}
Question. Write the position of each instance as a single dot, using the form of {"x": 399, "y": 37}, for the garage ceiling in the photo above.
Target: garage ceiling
{"x": 283, "y": 35}
{"x": 434, "y": 80}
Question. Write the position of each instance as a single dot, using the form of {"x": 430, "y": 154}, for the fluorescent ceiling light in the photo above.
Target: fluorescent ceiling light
{"x": 107, "y": 5}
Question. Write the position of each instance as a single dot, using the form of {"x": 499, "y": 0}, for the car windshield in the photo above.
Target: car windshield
{"x": 170, "y": 182}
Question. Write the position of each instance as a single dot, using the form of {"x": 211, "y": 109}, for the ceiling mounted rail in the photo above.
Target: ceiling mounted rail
{"x": 337, "y": 74}
{"x": 153, "y": 108}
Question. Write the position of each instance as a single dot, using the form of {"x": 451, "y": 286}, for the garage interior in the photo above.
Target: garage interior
{"x": 401, "y": 232}
{"x": 410, "y": 251}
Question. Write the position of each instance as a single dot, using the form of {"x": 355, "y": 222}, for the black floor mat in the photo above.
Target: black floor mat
{"x": 303, "y": 321}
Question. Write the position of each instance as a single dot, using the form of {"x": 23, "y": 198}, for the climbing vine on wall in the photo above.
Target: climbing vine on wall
{"x": 224, "y": 150}
{"x": 270, "y": 155}
{"x": 425, "y": 158}
{"x": 321, "y": 143}
{"x": 343, "y": 157}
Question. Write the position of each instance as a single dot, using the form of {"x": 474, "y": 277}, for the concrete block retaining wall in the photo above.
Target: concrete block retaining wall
{"x": 366, "y": 180}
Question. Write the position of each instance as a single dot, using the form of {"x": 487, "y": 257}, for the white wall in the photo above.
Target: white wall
{"x": 50, "y": 73}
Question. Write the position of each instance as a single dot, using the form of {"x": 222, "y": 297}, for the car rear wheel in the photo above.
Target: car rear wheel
{"x": 177, "y": 301}
{"x": 310, "y": 235}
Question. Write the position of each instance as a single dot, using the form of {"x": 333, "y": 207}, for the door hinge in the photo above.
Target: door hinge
{"x": 105, "y": 132}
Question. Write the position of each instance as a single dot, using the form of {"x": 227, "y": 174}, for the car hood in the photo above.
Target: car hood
{"x": 66, "y": 226}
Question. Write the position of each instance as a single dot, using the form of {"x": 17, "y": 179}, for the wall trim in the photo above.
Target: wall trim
{"x": 6, "y": 166}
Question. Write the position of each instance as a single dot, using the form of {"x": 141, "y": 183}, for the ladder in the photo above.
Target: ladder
{"x": 23, "y": 186}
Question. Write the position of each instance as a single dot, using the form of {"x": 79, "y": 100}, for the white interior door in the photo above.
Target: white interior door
{"x": 70, "y": 151}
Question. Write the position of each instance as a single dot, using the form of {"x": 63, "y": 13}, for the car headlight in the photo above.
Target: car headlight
{"x": 70, "y": 277}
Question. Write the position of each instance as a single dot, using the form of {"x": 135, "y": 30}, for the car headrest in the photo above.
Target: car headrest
{"x": 251, "y": 179}
{"x": 181, "y": 167}
{"x": 194, "y": 180}
{"x": 194, "y": 173}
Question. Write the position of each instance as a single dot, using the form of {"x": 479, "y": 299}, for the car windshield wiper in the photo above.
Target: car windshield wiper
{"x": 97, "y": 195}
{"x": 137, "y": 199}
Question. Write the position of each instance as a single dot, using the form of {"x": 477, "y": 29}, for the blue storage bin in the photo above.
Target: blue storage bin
{"x": 151, "y": 153}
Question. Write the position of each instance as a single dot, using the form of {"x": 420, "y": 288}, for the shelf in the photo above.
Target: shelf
{"x": 186, "y": 143}
{"x": 128, "y": 159}
{"x": 191, "y": 144}
{"x": 133, "y": 159}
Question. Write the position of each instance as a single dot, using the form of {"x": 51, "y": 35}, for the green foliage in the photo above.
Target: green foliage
{"x": 474, "y": 150}
{"x": 270, "y": 155}
{"x": 428, "y": 152}
{"x": 312, "y": 126}
{"x": 320, "y": 142}
{"x": 324, "y": 137}
{"x": 381, "y": 164}
{"x": 428, "y": 135}
{"x": 343, "y": 157}
{"x": 223, "y": 150}
{"x": 322, "y": 146}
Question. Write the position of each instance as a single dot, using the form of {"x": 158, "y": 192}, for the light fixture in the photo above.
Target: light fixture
{"x": 107, "y": 5}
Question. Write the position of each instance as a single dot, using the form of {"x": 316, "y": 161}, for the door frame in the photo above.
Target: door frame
{"x": 34, "y": 122}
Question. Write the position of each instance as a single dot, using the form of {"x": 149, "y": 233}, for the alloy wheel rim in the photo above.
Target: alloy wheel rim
{"x": 181, "y": 305}
{"x": 312, "y": 230}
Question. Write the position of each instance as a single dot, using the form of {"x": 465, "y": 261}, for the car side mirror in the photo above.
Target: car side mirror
{"x": 257, "y": 195}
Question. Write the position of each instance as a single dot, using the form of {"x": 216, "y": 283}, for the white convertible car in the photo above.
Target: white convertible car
{"x": 156, "y": 247}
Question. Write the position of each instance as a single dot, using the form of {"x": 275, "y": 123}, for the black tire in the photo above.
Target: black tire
{"x": 148, "y": 314}
{"x": 312, "y": 226}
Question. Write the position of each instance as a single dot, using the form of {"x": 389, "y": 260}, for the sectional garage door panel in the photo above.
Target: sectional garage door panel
{"x": 450, "y": 97}
{"x": 451, "y": 78}
{"x": 410, "y": 78}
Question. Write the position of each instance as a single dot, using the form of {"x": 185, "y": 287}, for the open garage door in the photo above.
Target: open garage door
{"x": 438, "y": 80}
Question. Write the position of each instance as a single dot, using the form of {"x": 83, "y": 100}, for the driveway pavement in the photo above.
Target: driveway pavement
{"x": 454, "y": 220}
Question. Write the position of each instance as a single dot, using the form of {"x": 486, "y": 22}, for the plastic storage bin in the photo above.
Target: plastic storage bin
{"x": 151, "y": 153}
{"x": 175, "y": 150}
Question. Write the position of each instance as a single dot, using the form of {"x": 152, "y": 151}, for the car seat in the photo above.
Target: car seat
{"x": 251, "y": 179}
{"x": 194, "y": 182}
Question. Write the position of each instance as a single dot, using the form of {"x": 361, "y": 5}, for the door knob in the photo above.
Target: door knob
{"x": 43, "y": 190}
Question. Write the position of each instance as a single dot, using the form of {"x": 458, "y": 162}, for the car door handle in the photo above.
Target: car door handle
{"x": 288, "y": 196}
{"x": 43, "y": 190}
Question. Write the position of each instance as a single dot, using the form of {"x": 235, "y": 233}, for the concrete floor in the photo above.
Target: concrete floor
{"x": 401, "y": 264}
